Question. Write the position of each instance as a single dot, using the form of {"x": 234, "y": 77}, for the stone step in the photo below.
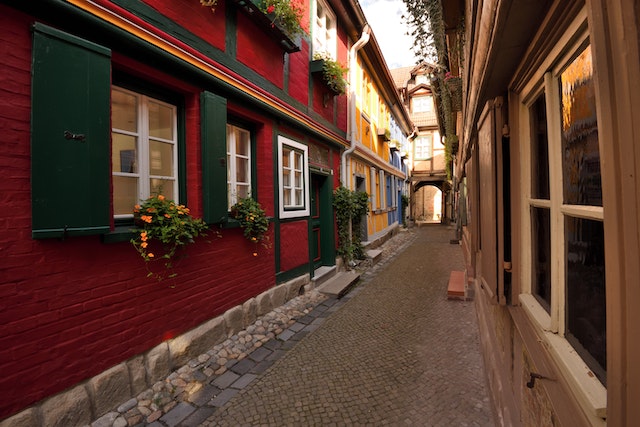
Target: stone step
{"x": 322, "y": 274}
{"x": 374, "y": 255}
{"x": 340, "y": 284}
{"x": 456, "y": 288}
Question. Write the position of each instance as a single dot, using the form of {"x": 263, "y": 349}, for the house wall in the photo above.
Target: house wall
{"x": 74, "y": 308}
{"x": 515, "y": 342}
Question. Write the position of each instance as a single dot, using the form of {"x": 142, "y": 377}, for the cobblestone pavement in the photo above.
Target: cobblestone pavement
{"x": 394, "y": 351}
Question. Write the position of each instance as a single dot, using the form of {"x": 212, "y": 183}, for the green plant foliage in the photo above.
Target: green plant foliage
{"x": 162, "y": 227}
{"x": 286, "y": 13}
{"x": 252, "y": 218}
{"x": 333, "y": 73}
{"x": 350, "y": 206}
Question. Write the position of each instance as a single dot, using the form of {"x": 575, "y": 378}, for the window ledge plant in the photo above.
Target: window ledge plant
{"x": 253, "y": 220}
{"x": 332, "y": 73}
{"x": 279, "y": 18}
{"x": 162, "y": 228}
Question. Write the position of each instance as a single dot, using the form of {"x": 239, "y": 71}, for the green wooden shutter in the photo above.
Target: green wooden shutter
{"x": 70, "y": 135}
{"x": 214, "y": 156}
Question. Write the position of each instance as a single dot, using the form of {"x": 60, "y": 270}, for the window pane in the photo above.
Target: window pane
{"x": 539, "y": 150}
{"x": 242, "y": 170}
{"x": 285, "y": 157}
{"x": 287, "y": 197}
{"x": 298, "y": 160}
{"x": 581, "y": 157}
{"x": 243, "y": 191}
{"x": 286, "y": 178}
{"x": 586, "y": 313}
{"x": 160, "y": 121}
{"x": 124, "y": 111}
{"x": 298, "y": 180}
{"x": 243, "y": 145}
{"x": 160, "y": 158}
{"x": 124, "y": 153}
{"x": 298, "y": 198}
{"x": 162, "y": 186}
{"x": 541, "y": 253}
{"x": 125, "y": 195}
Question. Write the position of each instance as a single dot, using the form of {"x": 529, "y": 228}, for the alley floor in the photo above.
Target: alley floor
{"x": 395, "y": 351}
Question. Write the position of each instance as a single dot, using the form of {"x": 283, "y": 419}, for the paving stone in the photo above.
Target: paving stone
{"x": 244, "y": 381}
{"x": 223, "y": 397}
{"x": 177, "y": 414}
{"x": 225, "y": 380}
{"x": 259, "y": 354}
{"x": 285, "y": 335}
{"x": 243, "y": 366}
{"x": 200, "y": 415}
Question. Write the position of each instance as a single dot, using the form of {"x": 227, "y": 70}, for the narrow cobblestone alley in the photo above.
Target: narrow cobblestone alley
{"x": 395, "y": 351}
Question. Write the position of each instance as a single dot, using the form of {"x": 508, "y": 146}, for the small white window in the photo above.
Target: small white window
{"x": 238, "y": 164}
{"x": 424, "y": 147}
{"x": 144, "y": 150}
{"x": 324, "y": 30}
{"x": 422, "y": 104}
{"x": 293, "y": 172}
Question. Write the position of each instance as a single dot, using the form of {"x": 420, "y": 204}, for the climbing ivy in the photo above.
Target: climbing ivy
{"x": 350, "y": 206}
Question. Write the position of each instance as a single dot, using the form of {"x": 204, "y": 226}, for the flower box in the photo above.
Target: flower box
{"x": 269, "y": 24}
{"x": 331, "y": 73}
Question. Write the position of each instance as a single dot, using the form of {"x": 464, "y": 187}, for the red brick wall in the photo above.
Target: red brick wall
{"x": 200, "y": 20}
{"x": 294, "y": 244}
{"x": 71, "y": 309}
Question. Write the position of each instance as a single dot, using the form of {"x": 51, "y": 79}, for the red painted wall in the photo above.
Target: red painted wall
{"x": 294, "y": 246}
{"x": 71, "y": 309}
{"x": 200, "y": 20}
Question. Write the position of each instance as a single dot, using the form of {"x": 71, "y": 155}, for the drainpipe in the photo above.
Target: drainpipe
{"x": 364, "y": 39}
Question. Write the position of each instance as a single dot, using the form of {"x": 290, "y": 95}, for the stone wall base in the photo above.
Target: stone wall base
{"x": 89, "y": 400}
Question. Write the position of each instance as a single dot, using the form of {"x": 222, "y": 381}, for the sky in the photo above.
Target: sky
{"x": 384, "y": 17}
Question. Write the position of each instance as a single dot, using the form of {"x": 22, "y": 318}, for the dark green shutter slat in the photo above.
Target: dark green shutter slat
{"x": 71, "y": 81}
{"x": 214, "y": 156}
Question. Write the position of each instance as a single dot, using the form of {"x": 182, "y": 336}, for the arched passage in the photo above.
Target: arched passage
{"x": 428, "y": 203}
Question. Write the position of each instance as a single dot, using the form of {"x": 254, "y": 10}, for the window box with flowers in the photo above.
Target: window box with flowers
{"x": 162, "y": 228}
{"x": 279, "y": 18}
{"x": 332, "y": 72}
{"x": 253, "y": 221}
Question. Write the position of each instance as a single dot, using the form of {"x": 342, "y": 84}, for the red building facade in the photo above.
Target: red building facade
{"x": 76, "y": 299}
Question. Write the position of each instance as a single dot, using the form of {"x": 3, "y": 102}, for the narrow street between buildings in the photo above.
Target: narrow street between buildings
{"x": 394, "y": 351}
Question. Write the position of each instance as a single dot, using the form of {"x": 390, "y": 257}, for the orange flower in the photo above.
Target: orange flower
{"x": 160, "y": 197}
{"x": 167, "y": 216}
{"x": 146, "y": 218}
{"x": 150, "y": 210}
{"x": 255, "y": 254}
{"x": 136, "y": 208}
{"x": 143, "y": 244}
{"x": 150, "y": 255}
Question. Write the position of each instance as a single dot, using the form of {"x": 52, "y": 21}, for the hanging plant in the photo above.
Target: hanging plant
{"x": 162, "y": 228}
{"x": 332, "y": 73}
{"x": 253, "y": 220}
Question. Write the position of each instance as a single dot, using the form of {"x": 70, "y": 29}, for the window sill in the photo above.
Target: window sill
{"x": 591, "y": 394}
{"x": 121, "y": 233}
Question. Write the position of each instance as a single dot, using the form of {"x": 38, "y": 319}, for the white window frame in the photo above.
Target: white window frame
{"x": 374, "y": 189}
{"x": 325, "y": 38}
{"x": 232, "y": 156}
{"x": 420, "y": 150}
{"x": 383, "y": 190}
{"x": 298, "y": 208}
{"x": 142, "y": 152}
{"x": 422, "y": 104}
{"x": 592, "y": 394}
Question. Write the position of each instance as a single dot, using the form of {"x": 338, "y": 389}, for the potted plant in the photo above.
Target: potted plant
{"x": 332, "y": 72}
{"x": 162, "y": 227}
